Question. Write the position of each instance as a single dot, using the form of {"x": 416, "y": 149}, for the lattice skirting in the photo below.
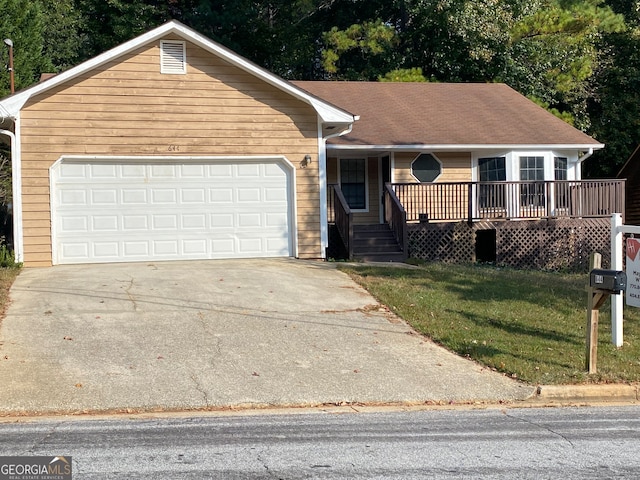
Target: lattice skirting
{"x": 558, "y": 244}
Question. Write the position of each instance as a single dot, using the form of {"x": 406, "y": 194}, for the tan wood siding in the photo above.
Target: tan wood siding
{"x": 128, "y": 108}
{"x": 456, "y": 167}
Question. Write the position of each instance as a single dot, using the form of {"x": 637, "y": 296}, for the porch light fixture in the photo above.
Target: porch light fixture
{"x": 9, "y": 43}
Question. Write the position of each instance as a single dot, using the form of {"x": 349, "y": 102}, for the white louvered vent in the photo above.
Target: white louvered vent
{"x": 173, "y": 57}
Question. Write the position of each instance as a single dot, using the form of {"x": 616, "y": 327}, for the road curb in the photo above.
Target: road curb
{"x": 587, "y": 393}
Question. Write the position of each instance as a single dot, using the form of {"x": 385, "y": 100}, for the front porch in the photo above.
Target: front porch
{"x": 545, "y": 224}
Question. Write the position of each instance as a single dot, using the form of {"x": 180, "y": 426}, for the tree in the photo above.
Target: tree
{"x": 554, "y": 53}
{"x": 107, "y": 23}
{"x": 62, "y": 41}
{"x": 615, "y": 106}
{"x": 23, "y": 22}
{"x": 403, "y": 75}
{"x": 359, "y": 52}
{"x": 456, "y": 40}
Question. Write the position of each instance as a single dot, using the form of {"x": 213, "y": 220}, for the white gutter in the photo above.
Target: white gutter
{"x": 463, "y": 147}
{"x": 16, "y": 201}
{"x": 579, "y": 162}
{"x": 585, "y": 156}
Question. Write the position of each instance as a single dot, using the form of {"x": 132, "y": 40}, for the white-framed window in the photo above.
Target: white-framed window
{"x": 532, "y": 190}
{"x": 173, "y": 57}
{"x": 492, "y": 169}
{"x": 560, "y": 168}
{"x": 426, "y": 168}
{"x": 353, "y": 174}
{"x": 562, "y": 198}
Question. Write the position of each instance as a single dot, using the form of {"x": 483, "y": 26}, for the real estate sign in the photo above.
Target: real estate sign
{"x": 633, "y": 272}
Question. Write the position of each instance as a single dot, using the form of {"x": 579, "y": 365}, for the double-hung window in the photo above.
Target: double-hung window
{"x": 532, "y": 178}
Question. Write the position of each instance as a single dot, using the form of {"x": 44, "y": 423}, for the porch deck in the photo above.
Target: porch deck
{"x": 474, "y": 201}
{"x": 481, "y": 204}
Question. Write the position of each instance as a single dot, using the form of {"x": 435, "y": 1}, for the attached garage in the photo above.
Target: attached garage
{"x": 168, "y": 147}
{"x": 153, "y": 209}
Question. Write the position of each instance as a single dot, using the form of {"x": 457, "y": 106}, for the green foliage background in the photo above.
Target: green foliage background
{"x": 578, "y": 58}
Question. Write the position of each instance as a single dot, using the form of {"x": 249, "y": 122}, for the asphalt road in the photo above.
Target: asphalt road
{"x": 567, "y": 443}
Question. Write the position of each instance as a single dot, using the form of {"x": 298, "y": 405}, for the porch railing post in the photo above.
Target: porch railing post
{"x": 343, "y": 218}
{"x": 470, "y": 187}
{"x": 445, "y": 201}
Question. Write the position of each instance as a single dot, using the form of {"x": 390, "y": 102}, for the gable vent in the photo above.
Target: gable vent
{"x": 173, "y": 57}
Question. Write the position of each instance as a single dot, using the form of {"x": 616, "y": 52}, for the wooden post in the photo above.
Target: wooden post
{"x": 595, "y": 299}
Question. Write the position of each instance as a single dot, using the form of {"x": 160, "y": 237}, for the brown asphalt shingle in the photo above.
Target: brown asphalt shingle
{"x": 444, "y": 114}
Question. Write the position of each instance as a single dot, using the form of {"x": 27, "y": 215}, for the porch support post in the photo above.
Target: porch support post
{"x": 616, "y": 264}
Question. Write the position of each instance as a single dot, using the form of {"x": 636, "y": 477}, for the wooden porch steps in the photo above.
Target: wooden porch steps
{"x": 376, "y": 243}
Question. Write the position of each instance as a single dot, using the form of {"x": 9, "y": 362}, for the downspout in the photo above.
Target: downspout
{"x": 322, "y": 174}
{"x": 580, "y": 160}
{"x": 16, "y": 202}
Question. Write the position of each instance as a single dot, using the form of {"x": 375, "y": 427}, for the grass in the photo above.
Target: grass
{"x": 527, "y": 324}
{"x": 7, "y": 276}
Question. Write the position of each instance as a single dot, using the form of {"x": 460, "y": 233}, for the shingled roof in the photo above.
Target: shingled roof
{"x": 448, "y": 115}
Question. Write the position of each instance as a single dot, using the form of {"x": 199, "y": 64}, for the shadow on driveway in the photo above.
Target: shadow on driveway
{"x": 218, "y": 334}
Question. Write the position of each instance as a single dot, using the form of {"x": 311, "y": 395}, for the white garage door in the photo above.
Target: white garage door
{"x": 125, "y": 211}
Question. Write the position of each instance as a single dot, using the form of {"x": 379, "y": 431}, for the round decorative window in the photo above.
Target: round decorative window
{"x": 426, "y": 168}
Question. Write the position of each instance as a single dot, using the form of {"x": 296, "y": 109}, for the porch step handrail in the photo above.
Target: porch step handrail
{"x": 396, "y": 218}
{"x": 343, "y": 218}
{"x": 457, "y": 201}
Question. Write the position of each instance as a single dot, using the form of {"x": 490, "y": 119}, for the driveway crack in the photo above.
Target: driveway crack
{"x": 200, "y": 388}
{"x": 217, "y": 346}
{"x": 127, "y": 290}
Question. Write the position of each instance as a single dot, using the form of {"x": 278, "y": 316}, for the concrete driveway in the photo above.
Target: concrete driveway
{"x": 231, "y": 333}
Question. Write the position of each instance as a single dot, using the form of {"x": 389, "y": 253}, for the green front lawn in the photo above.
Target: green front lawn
{"x": 527, "y": 324}
{"x": 7, "y": 276}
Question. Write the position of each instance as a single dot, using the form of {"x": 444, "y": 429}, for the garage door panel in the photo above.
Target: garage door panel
{"x": 132, "y": 172}
{"x": 134, "y": 196}
{"x": 106, "y": 250}
{"x": 136, "y": 212}
{"x": 103, "y": 223}
{"x": 103, "y": 171}
{"x": 73, "y": 170}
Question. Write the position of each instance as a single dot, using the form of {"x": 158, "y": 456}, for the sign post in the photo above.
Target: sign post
{"x": 594, "y": 302}
{"x": 603, "y": 284}
{"x": 616, "y": 264}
